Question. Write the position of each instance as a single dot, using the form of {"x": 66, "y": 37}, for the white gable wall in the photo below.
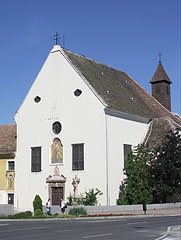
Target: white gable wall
{"x": 82, "y": 120}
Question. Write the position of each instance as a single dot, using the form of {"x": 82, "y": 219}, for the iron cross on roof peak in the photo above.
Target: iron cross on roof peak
{"x": 160, "y": 57}
{"x": 57, "y": 36}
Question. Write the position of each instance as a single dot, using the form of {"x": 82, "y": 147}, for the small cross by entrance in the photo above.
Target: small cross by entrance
{"x": 57, "y": 36}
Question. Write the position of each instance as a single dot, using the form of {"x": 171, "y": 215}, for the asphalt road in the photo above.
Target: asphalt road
{"x": 132, "y": 228}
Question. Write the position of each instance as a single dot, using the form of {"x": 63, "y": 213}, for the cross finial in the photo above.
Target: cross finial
{"x": 57, "y": 36}
{"x": 160, "y": 57}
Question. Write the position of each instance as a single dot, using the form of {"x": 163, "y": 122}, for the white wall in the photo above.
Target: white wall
{"x": 82, "y": 120}
{"x": 3, "y": 197}
{"x": 119, "y": 132}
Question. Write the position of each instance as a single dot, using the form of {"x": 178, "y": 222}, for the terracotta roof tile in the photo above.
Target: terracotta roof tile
{"x": 160, "y": 75}
{"x": 118, "y": 89}
{"x": 7, "y": 138}
{"x": 158, "y": 131}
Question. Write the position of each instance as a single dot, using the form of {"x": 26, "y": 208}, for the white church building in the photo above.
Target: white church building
{"x": 78, "y": 121}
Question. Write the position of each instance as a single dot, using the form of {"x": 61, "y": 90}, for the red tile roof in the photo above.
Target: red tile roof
{"x": 8, "y": 138}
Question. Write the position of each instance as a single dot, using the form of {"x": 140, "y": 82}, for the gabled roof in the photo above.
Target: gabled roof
{"x": 7, "y": 138}
{"x": 160, "y": 75}
{"x": 119, "y": 91}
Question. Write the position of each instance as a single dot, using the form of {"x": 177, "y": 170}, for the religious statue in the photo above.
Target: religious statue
{"x": 57, "y": 151}
{"x": 10, "y": 182}
{"x": 75, "y": 183}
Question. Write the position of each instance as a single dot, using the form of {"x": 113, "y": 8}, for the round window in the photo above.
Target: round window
{"x": 37, "y": 99}
{"x": 56, "y": 127}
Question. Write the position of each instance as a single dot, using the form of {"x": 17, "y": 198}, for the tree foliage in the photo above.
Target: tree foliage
{"x": 135, "y": 188}
{"x": 37, "y": 204}
{"x": 165, "y": 168}
{"x": 136, "y": 184}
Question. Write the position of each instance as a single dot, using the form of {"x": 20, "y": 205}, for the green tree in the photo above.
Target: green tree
{"x": 136, "y": 183}
{"x": 165, "y": 168}
{"x": 37, "y": 204}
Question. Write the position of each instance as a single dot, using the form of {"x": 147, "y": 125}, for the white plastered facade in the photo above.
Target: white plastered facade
{"x": 83, "y": 120}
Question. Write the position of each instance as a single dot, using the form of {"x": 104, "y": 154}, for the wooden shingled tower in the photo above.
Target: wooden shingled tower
{"x": 161, "y": 86}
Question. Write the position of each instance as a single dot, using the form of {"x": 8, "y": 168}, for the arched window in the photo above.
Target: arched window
{"x": 56, "y": 151}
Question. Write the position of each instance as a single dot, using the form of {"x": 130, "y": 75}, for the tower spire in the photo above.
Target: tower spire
{"x": 161, "y": 86}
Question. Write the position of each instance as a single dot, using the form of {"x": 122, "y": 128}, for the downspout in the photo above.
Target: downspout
{"x": 107, "y": 165}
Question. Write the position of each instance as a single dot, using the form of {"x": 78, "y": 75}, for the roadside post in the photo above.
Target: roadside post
{"x": 144, "y": 207}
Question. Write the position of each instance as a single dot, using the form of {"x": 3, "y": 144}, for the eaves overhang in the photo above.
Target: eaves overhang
{"x": 126, "y": 116}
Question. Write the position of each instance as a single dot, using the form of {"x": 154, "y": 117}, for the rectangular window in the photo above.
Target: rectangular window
{"x": 10, "y": 165}
{"x": 77, "y": 157}
{"x": 127, "y": 148}
{"x": 36, "y": 159}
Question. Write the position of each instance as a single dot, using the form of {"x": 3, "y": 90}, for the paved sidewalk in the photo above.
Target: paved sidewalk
{"x": 170, "y": 211}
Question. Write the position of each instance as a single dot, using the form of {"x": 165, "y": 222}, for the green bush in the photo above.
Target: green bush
{"x": 78, "y": 211}
{"x": 38, "y": 212}
{"x": 37, "y": 204}
{"x": 122, "y": 201}
{"x": 90, "y": 198}
{"x": 20, "y": 215}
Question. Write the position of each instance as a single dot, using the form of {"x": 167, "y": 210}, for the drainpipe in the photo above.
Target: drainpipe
{"x": 107, "y": 165}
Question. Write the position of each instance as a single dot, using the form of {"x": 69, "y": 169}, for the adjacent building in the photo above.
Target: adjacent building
{"x": 7, "y": 163}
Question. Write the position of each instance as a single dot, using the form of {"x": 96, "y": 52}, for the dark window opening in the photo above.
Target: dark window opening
{"x": 127, "y": 149}
{"x": 11, "y": 198}
{"x": 78, "y": 157}
{"x": 36, "y": 159}
{"x": 11, "y": 166}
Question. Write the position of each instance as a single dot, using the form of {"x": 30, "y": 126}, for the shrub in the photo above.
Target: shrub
{"x": 20, "y": 215}
{"x": 78, "y": 211}
{"x": 38, "y": 212}
{"x": 37, "y": 203}
{"x": 122, "y": 201}
{"x": 90, "y": 198}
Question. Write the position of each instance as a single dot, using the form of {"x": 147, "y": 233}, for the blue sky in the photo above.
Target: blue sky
{"x": 125, "y": 34}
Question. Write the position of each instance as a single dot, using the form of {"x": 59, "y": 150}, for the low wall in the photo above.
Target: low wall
{"x": 116, "y": 208}
{"x": 6, "y": 209}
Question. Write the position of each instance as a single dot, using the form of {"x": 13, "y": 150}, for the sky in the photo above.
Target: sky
{"x": 125, "y": 34}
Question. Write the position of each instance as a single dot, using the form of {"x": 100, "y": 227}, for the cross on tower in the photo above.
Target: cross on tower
{"x": 57, "y": 36}
{"x": 160, "y": 56}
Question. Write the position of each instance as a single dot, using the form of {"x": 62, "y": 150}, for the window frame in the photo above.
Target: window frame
{"x": 78, "y": 164}
{"x": 33, "y": 164}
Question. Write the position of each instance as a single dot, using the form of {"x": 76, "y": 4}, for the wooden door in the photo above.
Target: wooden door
{"x": 57, "y": 194}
